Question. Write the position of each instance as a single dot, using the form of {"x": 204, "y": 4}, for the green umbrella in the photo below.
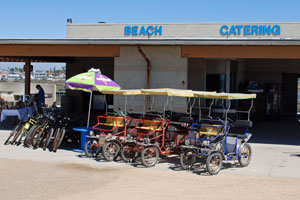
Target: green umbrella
{"x": 89, "y": 81}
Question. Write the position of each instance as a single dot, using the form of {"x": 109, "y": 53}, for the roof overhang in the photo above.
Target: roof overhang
{"x": 153, "y": 41}
{"x": 35, "y": 49}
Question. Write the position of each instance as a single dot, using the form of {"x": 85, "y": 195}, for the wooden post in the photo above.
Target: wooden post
{"x": 27, "y": 68}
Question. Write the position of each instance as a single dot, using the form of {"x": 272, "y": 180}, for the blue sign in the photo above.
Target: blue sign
{"x": 142, "y": 30}
{"x": 246, "y": 30}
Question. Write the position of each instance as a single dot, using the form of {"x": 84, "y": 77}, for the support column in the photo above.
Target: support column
{"x": 27, "y": 68}
{"x": 227, "y": 89}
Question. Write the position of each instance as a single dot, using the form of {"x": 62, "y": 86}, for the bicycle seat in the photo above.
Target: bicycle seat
{"x": 243, "y": 123}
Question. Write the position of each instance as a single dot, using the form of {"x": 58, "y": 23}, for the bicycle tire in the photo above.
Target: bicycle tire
{"x": 28, "y": 141}
{"x": 241, "y": 160}
{"x": 19, "y": 139}
{"x": 48, "y": 138}
{"x": 214, "y": 158}
{"x": 56, "y": 132}
{"x": 111, "y": 150}
{"x": 27, "y": 134}
{"x": 148, "y": 153}
{"x": 128, "y": 152}
{"x": 90, "y": 149}
{"x": 59, "y": 138}
{"x": 13, "y": 141}
{"x": 36, "y": 135}
{"x": 40, "y": 136}
{"x": 12, "y": 133}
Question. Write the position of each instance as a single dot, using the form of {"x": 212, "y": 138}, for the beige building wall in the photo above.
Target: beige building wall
{"x": 173, "y": 30}
{"x": 168, "y": 70}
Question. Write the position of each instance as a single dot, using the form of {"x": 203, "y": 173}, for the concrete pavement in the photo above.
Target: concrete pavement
{"x": 37, "y": 174}
{"x": 267, "y": 160}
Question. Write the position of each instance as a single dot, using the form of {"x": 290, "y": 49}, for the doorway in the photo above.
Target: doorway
{"x": 216, "y": 82}
{"x": 298, "y": 98}
{"x": 290, "y": 94}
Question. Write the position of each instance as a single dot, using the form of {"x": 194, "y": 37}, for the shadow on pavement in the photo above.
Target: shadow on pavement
{"x": 285, "y": 131}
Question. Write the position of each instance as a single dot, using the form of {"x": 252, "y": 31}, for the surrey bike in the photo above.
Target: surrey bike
{"x": 212, "y": 140}
{"x": 158, "y": 133}
{"x": 111, "y": 128}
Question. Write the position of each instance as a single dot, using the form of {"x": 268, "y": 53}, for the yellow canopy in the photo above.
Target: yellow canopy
{"x": 227, "y": 96}
{"x": 168, "y": 92}
{"x": 181, "y": 93}
{"x": 123, "y": 92}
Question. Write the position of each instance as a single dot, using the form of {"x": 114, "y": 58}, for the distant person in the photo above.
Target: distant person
{"x": 40, "y": 98}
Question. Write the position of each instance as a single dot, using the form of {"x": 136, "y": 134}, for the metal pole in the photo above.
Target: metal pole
{"x": 199, "y": 110}
{"x": 125, "y": 103}
{"x": 166, "y": 106}
{"x": 88, "y": 122}
{"x": 105, "y": 104}
{"x": 191, "y": 107}
{"x": 170, "y": 104}
{"x": 250, "y": 110}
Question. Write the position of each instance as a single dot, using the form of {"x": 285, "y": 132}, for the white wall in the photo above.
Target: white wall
{"x": 173, "y": 30}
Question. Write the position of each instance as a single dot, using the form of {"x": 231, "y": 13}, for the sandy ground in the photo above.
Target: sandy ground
{"x": 37, "y": 174}
{"x": 22, "y": 179}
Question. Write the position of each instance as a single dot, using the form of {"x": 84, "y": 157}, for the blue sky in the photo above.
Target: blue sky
{"x": 47, "y": 19}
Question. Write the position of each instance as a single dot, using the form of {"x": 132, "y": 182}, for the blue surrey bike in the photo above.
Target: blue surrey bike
{"x": 213, "y": 140}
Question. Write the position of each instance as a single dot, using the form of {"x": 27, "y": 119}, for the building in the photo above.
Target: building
{"x": 199, "y": 56}
{"x": 202, "y": 56}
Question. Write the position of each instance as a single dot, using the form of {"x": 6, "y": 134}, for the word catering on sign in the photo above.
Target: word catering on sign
{"x": 143, "y": 31}
{"x": 250, "y": 30}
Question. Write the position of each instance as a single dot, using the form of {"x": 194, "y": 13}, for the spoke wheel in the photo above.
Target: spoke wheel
{"x": 150, "y": 156}
{"x": 48, "y": 138}
{"x": 58, "y": 139}
{"x": 13, "y": 133}
{"x": 111, "y": 150}
{"x": 128, "y": 152}
{"x": 90, "y": 148}
{"x": 245, "y": 155}
{"x": 187, "y": 158}
{"x": 214, "y": 163}
{"x": 55, "y": 137}
{"x": 36, "y": 136}
{"x": 28, "y": 140}
{"x": 19, "y": 132}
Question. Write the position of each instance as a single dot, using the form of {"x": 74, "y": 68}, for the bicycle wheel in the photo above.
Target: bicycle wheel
{"x": 110, "y": 150}
{"x": 40, "y": 137}
{"x": 36, "y": 136}
{"x": 56, "y": 140}
{"x": 150, "y": 156}
{"x": 214, "y": 163}
{"x": 187, "y": 158}
{"x": 23, "y": 134}
{"x": 16, "y": 136}
{"x": 48, "y": 138}
{"x": 128, "y": 152}
{"x": 61, "y": 137}
{"x": 12, "y": 133}
{"x": 28, "y": 141}
{"x": 246, "y": 155}
{"x": 90, "y": 148}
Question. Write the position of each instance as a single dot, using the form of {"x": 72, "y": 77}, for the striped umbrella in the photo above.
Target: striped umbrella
{"x": 90, "y": 81}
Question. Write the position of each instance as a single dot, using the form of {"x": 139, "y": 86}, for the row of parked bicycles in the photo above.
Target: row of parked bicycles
{"x": 204, "y": 131}
{"x": 46, "y": 130}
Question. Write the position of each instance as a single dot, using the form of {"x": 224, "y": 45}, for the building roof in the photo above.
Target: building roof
{"x": 153, "y": 41}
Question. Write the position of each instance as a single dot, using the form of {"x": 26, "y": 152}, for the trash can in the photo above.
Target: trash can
{"x": 84, "y": 132}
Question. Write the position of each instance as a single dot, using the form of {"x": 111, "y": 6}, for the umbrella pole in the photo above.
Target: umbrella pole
{"x": 88, "y": 121}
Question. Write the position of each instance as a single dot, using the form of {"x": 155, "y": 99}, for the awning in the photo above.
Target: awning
{"x": 123, "y": 92}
